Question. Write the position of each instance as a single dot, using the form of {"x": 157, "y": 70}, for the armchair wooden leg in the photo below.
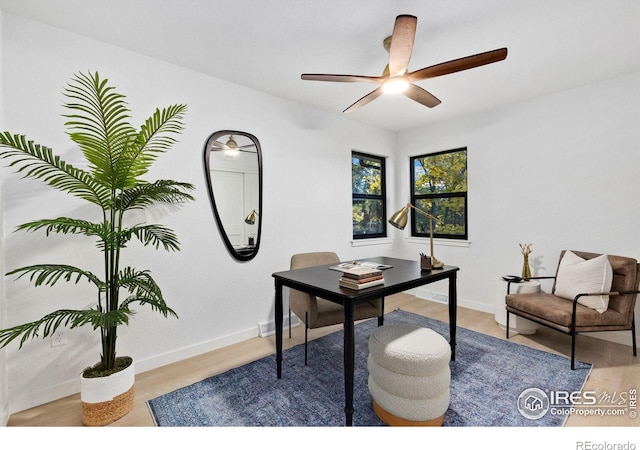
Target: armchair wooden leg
{"x": 289, "y": 323}
{"x": 507, "y": 326}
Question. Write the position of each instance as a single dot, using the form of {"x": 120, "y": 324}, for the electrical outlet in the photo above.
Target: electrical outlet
{"x": 59, "y": 338}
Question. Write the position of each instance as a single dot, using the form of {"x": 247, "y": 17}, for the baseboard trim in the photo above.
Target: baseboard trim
{"x": 442, "y": 297}
{"x": 23, "y": 401}
{"x": 268, "y": 328}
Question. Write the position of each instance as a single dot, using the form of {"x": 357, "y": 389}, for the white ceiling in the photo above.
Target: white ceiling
{"x": 553, "y": 45}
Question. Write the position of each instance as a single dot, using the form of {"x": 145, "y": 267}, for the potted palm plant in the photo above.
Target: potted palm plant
{"x": 117, "y": 156}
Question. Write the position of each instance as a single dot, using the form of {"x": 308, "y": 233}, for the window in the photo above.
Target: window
{"x": 439, "y": 187}
{"x": 368, "y": 194}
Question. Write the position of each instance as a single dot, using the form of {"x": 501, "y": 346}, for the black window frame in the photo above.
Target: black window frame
{"x": 415, "y": 198}
{"x": 382, "y": 197}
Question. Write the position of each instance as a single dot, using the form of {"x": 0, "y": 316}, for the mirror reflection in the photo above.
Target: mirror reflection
{"x": 233, "y": 169}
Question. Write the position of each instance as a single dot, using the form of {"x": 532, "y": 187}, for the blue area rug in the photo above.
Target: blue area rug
{"x": 487, "y": 377}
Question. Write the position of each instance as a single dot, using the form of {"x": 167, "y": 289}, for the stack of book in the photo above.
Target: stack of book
{"x": 361, "y": 278}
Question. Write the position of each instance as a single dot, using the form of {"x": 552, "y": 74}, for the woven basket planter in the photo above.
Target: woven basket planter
{"x": 107, "y": 399}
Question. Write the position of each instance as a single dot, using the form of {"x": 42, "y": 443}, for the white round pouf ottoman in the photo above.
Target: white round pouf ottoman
{"x": 409, "y": 375}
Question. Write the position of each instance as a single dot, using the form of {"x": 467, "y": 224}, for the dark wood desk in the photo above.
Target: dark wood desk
{"x": 323, "y": 282}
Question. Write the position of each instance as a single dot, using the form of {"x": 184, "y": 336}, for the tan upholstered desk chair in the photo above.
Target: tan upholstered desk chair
{"x": 317, "y": 312}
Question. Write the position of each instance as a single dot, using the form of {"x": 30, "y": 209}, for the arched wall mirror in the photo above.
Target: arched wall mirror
{"x": 233, "y": 170}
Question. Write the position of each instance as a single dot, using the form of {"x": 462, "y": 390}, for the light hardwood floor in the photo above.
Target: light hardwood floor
{"x": 615, "y": 370}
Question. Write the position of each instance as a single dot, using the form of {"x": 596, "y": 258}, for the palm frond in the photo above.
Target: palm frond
{"x": 151, "y": 234}
{"x": 156, "y": 305}
{"x": 155, "y": 137}
{"x": 144, "y": 290}
{"x": 67, "y": 225}
{"x": 160, "y": 191}
{"x": 38, "y": 162}
{"x": 104, "y": 320}
{"x": 68, "y": 318}
{"x": 99, "y": 125}
{"x": 50, "y": 274}
{"x": 156, "y": 134}
{"x": 108, "y": 239}
{"x": 140, "y": 282}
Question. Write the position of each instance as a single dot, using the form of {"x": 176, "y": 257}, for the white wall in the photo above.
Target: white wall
{"x": 560, "y": 172}
{"x": 306, "y": 197}
{"x": 4, "y": 392}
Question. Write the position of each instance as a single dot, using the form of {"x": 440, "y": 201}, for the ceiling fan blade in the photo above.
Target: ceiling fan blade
{"x": 341, "y": 78}
{"x": 219, "y": 145}
{"x": 364, "y": 100}
{"x": 421, "y": 96}
{"x": 404, "y": 32}
{"x": 457, "y": 65}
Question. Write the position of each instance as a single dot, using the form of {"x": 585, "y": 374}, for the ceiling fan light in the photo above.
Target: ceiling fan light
{"x": 395, "y": 85}
{"x": 232, "y": 150}
{"x": 231, "y": 154}
{"x": 231, "y": 143}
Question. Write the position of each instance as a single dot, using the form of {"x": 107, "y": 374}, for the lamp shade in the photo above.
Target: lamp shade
{"x": 251, "y": 217}
{"x": 399, "y": 218}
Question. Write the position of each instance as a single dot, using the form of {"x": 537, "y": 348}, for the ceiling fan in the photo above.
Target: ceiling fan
{"x": 396, "y": 77}
{"x": 231, "y": 145}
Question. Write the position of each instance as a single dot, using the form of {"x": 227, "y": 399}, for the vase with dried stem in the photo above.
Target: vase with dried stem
{"x": 526, "y": 250}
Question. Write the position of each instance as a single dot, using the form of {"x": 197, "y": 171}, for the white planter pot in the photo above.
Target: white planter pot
{"x": 107, "y": 399}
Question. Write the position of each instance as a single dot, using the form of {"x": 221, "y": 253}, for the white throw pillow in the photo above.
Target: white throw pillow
{"x": 578, "y": 276}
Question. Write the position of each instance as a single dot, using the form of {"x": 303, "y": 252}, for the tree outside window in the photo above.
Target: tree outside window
{"x": 368, "y": 194}
{"x": 439, "y": 187}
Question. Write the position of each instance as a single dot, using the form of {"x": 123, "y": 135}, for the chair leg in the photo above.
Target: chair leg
{"x": 633, "y": 335}
{"x": 306, "y": 328}
{"x": 381, "y": 316}
{"x": 573, "y": 350}
{"x": 289, "y": 323}
{"x": 507, "y": 327}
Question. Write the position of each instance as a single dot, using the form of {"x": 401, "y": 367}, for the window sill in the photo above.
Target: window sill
{"x": 373, "y": 241}
{"x": 440, "y": 242}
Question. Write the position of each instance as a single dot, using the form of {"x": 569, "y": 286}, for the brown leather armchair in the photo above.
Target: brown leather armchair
{"x": 317, "y": 312}
{"x": 570, "y": 316}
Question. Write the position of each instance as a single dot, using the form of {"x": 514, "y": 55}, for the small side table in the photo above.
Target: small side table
{"x": 516, "y": 324}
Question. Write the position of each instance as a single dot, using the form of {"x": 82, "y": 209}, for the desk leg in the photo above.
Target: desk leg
{"x": 349, "y": 357}
{"x": 453, "y": 307}
{"x": 278, "y": 319}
